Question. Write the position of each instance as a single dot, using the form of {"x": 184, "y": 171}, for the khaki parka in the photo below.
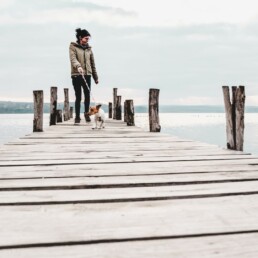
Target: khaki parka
{"x": 84, "y": 58}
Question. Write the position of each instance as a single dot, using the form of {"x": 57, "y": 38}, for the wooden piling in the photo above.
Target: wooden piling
{"x": 110, "y": 109}
{"x": 240, "y": 110}
{"x": 234, "y": 111}
{"x": 38, "y": 111}
{"x": 154, "y": 110}
{"x": 234, "y": 90}
{"x": 71, "y": 112}
{"x": 118, "y": 108}
{"x": 129, "y": 112}
{"x": 114, "y": 102}
{"x": 53, "y": 105}
{"x": 229, "y": 118}
{"x": 59, "y": 117}
{"x": 125, "y": 110}
{"x": 66, "y": 105}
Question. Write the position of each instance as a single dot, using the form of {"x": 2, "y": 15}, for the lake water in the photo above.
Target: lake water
{"x": 204, "y": 127}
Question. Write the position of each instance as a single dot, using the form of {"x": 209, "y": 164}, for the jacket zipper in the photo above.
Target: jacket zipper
{"x": 85, "y": 61}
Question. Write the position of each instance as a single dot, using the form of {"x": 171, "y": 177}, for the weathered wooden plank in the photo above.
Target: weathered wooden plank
{"x": 83, "y": 151}
{"x": 121, "y": 140}
{"x": 88, "y": 193}
{"x": 219, "y": 246}
{"x": 238, "y": 159}
{"x": 107, "y": 170}
{"x": 15, "y": 156}
{"x": 211, "y": 152}
{"x": 104, "y": 151}
{"x": 100, "y": 222}
{"x": 101, "y": 135}
{"x": 135, "y": 146}
{"x": 132, "y": 180}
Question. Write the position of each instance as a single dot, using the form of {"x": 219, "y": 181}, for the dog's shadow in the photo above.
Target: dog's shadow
{"x": 97, "y": 128}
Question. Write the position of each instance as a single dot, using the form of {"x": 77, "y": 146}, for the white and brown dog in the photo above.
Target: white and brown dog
{"x": 99, "y": 116}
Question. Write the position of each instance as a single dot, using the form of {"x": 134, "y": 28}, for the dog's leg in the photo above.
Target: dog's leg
{"x": 101, "y": 124}
{"x": 96, "y": 120}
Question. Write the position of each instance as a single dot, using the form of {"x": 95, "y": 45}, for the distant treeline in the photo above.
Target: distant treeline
{"x": 9, "y": 107}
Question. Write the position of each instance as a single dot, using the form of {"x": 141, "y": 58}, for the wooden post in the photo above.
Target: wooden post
{"x": 53, "y": 104}
{"x": 130, "y": 112}
{"x": 71, "y": 112}
{"x": 229, "y": 118}
{"x": 154, "y": 110}
{"x": 125, "y": 111}
{"x": 110, "y": 109}
{"x": 118, "y": 108}
{"x": 114, "y": 102}
{"x": 234, "y": 116}
{"x": 240, "y": 111}
{"x": 59, "y": 117}
{"x": 38, "y": 111}
{"x": 66, "y": 105}
{"x": 234, "y": 88}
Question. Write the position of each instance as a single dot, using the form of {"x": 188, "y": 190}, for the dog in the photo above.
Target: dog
{"x": 99, "y": 116}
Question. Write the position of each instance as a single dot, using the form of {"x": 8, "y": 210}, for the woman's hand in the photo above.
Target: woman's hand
{"x": 80, "y": 70}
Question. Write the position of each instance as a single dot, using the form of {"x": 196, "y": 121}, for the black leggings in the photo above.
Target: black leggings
{"x": 78, "y": 85}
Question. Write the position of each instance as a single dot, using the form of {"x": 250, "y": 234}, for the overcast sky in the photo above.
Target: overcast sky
{"x": 186, "y": 48}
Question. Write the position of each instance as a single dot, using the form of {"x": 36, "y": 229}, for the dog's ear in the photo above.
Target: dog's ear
{"x": 98, "y": 106}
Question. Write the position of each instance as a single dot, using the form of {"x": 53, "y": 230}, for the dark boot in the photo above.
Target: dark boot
{"x": 87, "y": 117}
{"x": 77, "y": 120}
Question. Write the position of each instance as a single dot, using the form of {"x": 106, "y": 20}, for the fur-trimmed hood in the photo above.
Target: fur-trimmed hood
{"x": 75, "y": 44}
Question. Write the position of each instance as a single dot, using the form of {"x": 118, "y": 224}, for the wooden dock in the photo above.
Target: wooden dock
{"x": 122, "y": 192}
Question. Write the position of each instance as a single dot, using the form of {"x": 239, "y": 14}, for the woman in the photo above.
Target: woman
{"x": 82, "y": 63}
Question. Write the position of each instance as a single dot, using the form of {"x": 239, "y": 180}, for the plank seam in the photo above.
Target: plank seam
{"x": 120, "y": 175}
{"x": 131, "y": 185}
{"x": 137, "y": 239}
{"x": 133, "y": 161}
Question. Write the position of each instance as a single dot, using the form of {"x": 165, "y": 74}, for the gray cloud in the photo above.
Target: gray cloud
{"x": 22, "y": 9}
{"x": 181, "y": 61}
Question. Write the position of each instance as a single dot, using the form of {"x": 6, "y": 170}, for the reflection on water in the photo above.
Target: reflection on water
{"x": 13, "y": 126}
{"x": 204, "y": 127}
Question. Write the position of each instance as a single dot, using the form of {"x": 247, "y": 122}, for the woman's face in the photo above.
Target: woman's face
{"x": 84, "y": 40}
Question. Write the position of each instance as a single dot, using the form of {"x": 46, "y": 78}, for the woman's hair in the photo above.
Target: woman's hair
{"x": 81, "y": 33}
